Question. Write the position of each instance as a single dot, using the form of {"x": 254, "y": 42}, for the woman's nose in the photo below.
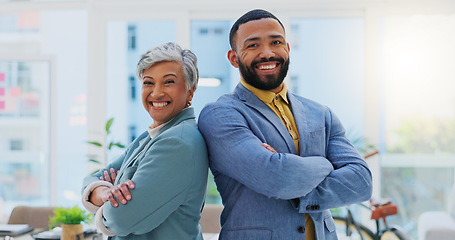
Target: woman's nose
{"x": 157, "y": 91}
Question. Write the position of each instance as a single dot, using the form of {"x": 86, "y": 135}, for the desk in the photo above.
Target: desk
{"x": 27, "y": 236}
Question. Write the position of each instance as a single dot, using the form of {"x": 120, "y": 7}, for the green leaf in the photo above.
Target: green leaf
{"x": 94, "y": 161}
{"x": 119, "y": 145}
{"x": 105, "y": 145}
{"x": 109, "y": 124}
{"x": 95, "y": 143}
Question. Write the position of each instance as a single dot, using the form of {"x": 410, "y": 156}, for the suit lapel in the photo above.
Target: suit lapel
{"x": 254, "y": 102}
{"x": 300, "y": 119}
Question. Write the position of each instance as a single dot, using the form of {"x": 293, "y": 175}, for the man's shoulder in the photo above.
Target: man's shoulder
{"x": 310, "y": 104}
{"x": 228, "y": 100}
{"x": 185, "y": 130}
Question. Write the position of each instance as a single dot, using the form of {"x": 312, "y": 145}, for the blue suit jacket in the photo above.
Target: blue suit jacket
{"x": 170, "y": 176}
{"x": 265, "y": 194}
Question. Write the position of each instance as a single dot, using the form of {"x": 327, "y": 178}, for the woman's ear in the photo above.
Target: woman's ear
{"x": 232, "y": 57}
{"x": 190, "y": 94}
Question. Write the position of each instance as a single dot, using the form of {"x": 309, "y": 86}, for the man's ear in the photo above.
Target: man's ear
{"x": 232, "y": 57}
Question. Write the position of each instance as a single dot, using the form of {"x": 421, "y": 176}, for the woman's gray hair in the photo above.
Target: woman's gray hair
{"x": 171, "y": 52}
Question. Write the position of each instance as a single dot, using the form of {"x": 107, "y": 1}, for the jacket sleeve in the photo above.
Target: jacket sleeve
{"x": 116, "y": 164}
{"x": 236, "y": 152}
{"x": 351, "y": 180}
{"x": 161, "y": 182}
{"x": 93, "y": 181}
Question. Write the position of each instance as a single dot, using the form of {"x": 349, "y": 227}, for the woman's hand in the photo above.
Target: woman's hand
{"x": 110, "y": 178}
{"x": 102, "y": 194}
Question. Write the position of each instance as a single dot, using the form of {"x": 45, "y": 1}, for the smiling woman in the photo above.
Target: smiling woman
{"x": 156, "y": 189}
{"x": 164, "y": 92}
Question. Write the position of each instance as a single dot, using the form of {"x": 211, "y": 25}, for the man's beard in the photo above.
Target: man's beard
{"x": 271, "y": 81}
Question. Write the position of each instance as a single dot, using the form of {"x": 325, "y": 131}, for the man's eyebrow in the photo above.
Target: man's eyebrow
{"x": 258, "y": 38}
{"x": 276, "y": 36}
{"x": 251, "y": 40}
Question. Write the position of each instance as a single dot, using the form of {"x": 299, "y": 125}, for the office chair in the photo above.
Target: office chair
{"x": 37, "y": 217}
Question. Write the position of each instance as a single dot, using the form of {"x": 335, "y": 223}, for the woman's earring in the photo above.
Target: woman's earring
{"x": 188, "y": 104}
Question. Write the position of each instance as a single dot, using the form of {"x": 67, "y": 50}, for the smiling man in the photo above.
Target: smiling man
{"x": 280, "y": 161}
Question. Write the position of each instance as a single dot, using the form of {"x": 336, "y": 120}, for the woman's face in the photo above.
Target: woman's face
{"x": 164, "y": 93}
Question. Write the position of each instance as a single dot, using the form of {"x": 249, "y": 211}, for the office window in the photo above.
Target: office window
{"x": 22, "y": 22}
{"x": 16, "y": 145}
{"x": 131, "y": 37}
{"x": 211, "y": 46}
{"x": 294, "y": 83}
{"x": 218, "y": 30}
{"x": 123, "y": 89}
{"x": 50, "y": 119}
{"x": 203, "y": 31}
{"x": 133, "y": 133}
{"x": 418, "y": 101}
{"x": 24, "y": 138}
{"x": 133, "y": 88}
{"x": 326, "y": 65}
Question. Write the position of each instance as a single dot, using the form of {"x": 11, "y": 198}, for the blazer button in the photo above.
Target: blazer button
{"x": 312, "y": 207}
{"x": 301, "y": 229}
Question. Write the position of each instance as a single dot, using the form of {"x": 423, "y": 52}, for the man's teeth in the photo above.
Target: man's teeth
{"x": 159, "y": 104}
{"x": 266, "y": 67}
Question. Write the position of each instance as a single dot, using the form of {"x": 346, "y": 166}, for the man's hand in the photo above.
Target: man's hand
{"x": 102, "y": 194}
{"x": 268, "y": 147}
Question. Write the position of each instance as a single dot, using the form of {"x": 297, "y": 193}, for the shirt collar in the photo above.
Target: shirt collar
{"x": 153, "y": 131}
{"x": 264, "y": 95}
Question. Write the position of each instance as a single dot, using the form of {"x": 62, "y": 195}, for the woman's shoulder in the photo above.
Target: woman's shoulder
{"x": 187, "y": 131}
{"x": 183, "y": 138}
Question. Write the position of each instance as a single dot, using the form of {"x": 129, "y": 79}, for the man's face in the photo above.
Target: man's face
{"x": 261, "y": 54}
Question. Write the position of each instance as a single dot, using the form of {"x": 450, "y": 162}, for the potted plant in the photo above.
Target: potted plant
{"x": 70, "y": 220}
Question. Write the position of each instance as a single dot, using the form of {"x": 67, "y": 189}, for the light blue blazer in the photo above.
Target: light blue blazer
{"x": 170, "y": 176}
{"x": 265, "y": 194}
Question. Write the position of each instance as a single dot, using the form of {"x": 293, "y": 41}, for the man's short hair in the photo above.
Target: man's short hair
{"x": 252, "y": 15}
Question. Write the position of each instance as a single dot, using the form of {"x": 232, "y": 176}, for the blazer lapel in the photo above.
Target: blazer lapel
{"x": 186, "y": 114}
{"x": 300, "y": 119}
{"x": 145, "y": 140}
{"x": 142, "y": 142}
{"x": 253, "y": 101}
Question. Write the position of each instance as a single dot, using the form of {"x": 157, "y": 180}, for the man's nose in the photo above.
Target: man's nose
{"x": 267, "y": 52}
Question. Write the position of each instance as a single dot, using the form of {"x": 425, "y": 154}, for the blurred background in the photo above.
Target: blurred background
{"x": 385, "y": 67}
